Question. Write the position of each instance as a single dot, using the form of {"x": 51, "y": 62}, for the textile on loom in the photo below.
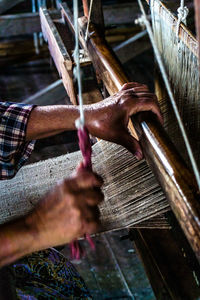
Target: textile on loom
{"x": 132, "y": 194}
{"x": 180, "y": 57}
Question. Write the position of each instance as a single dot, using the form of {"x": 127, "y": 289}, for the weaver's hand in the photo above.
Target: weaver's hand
{"x": 70, "y": 210}
{"x": 108, "y": 119}
{"x": 66, "y": 213}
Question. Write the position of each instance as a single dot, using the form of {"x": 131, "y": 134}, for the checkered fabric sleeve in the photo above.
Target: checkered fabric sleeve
{"x": 14, "y": 149}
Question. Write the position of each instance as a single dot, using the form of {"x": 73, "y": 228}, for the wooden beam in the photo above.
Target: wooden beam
{"x": 169, "y": 264}
{"x": 96, "y": 16}
{"x": 58, "y": 52}
{"x": 176, "y": 179}
{"x": 7, "y": 4}
{"x": 21, "y": 24}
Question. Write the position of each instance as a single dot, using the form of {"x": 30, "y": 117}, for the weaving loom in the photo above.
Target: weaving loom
{"x": 133, "y": 198}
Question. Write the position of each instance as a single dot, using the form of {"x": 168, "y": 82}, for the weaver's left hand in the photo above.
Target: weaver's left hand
{"x": 108, "y": 119}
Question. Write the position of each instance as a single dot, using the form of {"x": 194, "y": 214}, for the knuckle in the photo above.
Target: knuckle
{"x": 76, "y": 213}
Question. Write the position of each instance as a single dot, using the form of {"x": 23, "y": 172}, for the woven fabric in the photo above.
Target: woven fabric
{"x": 132, "y": 194}
{"x": 14, "y": 149}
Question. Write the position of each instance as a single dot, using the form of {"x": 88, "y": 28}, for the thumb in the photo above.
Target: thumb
{"x": 132, "y": 145}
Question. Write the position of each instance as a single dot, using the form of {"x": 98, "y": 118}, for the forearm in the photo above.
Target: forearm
{"x": 16, "y": 240}
{"x": 46, "y": 121}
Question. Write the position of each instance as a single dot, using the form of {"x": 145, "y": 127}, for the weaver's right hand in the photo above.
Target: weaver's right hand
{"x": 69, "y": 210}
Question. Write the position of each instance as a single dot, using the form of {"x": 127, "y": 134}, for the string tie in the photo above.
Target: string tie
{"x": 182, "y": 16}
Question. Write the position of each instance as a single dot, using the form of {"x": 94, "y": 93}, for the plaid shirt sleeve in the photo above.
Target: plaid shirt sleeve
{"x": 14, "y": 149}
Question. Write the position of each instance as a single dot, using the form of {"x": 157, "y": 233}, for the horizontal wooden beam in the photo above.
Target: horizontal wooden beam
{"x": 21, "y": 24}
{"x": 7, "y": 4}
{"x": 176, "y": 179}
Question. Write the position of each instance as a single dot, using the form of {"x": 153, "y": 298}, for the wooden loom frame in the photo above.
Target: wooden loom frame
{"x": 178, "y": 183}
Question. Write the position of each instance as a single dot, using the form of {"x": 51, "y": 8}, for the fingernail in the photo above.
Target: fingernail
{"x": 138, "y": 155}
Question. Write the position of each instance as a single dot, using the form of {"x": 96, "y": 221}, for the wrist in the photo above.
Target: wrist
{"x": 17, "y": 239}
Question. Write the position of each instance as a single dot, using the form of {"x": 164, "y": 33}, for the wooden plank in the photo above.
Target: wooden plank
{"x": 176, "y": 179}
{"x": 20, "y": 51}
{"x": 166, "y": 262}
{"x": 96, "y": 16}
{"x": 7, "y": 4}
{"x": 58, "y": 52}
{"x": 21, "y": 24}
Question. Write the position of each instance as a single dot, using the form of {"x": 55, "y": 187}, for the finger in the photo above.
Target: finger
{"x": 149, "y": 104}
{"x": 130, "y": 85}
{"x": 91, "y": 227}
{"x": 90, "y": 213}
{"x": 132, "y": 145}
{"x": 93, "y": 196}
{"x": 84, "y": 179}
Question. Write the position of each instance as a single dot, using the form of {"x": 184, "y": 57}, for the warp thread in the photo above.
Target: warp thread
{"x": 85, "y": 146}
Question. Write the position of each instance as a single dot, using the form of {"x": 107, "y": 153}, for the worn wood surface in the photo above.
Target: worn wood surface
{"x": 96, "y": 16}
{"x": 22, "y": 23}
{"x": 20, "y": 51}
{"x": 167, "y": 264}
{"x": 58, "y": 52}
{"x": 175, "y": 178}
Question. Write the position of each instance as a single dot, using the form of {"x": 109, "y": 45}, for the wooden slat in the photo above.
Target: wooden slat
{"x": 96, "y": 16}
{"x": 20, "y": 24}
{"x": 167, "y": 262}
{"x": 58, "y": 52}
{"x": 175, "y": 178}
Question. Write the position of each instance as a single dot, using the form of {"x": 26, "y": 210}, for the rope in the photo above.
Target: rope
{"x": 35, "y": 36}
{"x": 89, "y": 16}
{"x": 170, "y": 93}
{"x": 83, "y": 134}
{"x": 77, "y": 71}
{"x": 182, "y": 16}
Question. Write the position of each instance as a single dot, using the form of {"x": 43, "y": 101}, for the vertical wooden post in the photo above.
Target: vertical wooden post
{"x": 96, "y": 13}
{"x": 85, "y": 8}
